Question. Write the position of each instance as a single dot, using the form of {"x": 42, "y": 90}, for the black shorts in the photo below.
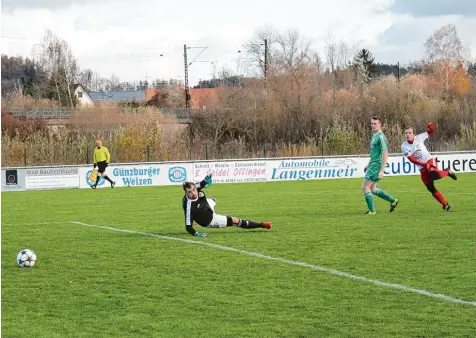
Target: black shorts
{"x": 102, "y": 166}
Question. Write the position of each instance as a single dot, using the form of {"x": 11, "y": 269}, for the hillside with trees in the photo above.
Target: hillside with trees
{"x": 309, "y": 104}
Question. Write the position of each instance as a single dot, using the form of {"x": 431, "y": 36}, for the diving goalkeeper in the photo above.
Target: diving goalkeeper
{"x": 197, "y": 207}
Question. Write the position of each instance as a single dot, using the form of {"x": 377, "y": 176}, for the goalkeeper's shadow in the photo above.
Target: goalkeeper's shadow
{"x": 215, "y": 233}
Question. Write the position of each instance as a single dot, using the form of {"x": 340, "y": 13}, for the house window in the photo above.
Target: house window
{"x": 80, "y": 94}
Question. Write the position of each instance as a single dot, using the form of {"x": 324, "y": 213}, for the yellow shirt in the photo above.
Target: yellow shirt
{"x": 101, "y": 154}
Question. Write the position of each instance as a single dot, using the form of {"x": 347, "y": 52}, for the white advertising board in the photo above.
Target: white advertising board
{"x": 458, "y": 163}
{"x": 315, "y": 168}
{"x": 52, "y": 178}
{"x": 353, "y": 167}
{"x": 231, "y": 171}
{"x": 139, "y": 175}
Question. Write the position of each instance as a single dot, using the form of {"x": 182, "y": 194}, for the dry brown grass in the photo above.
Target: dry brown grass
{"x": 17, "y": 100}
{"x": 301, "y": 116}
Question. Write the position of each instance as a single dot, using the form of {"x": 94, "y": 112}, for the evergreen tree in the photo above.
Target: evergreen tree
{"x": 364, "y": 66}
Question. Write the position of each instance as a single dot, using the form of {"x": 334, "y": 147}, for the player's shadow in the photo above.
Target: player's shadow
{"x": 213, "y": 233}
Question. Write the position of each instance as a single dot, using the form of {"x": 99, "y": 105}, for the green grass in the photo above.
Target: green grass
{"x": 92, "y": 282}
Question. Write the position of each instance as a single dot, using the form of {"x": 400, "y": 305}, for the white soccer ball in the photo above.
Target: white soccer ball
{"x": 26, "y": 258}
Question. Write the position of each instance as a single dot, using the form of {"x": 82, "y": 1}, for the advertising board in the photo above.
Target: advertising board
{"x": 52, "y": 178}
{"x": 139, "y": 175}
{"x": 225, "y": 171}
{"x": 353, "y": 167}
{"x": 13, "y": 179}
{"x": 315, "y": 168}
{"x": 231, "y": 171}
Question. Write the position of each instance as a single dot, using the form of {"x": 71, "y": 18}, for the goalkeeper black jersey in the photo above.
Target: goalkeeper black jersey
{"x": 197, "y": 210}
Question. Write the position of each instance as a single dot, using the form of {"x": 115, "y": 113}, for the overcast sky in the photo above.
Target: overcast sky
{"x": 126, "y": 38}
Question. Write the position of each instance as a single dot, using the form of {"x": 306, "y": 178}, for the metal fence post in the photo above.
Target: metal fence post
{"x": 24, "y": 156}
{"x": 264, "y": 150}
{"x": 147, "y": 151}
{"x": 206, "y": 151}
{"x": 322, "y": 143}
{"x": 87, "y": 153}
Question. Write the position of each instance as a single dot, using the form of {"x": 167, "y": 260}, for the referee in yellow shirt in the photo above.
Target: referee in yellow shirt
{"x": 101, "y": 159}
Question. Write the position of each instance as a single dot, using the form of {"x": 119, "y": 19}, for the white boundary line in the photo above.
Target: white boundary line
{"x": 290, "y": 262}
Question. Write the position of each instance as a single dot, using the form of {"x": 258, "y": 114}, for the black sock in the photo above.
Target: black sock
{"x": 97, "y": 180}
{"x": 249, "y": 224}
{"x": 107, "y": 178}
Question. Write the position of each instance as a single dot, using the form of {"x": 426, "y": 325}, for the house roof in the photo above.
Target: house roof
{"x": 77, "y": 85}
{"x": 150, "y": 93}
{"x": 204, "y": 96}
{"x": 136, "y": 95}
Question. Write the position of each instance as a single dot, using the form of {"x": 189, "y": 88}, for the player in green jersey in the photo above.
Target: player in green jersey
{"x": 374, "y": 171}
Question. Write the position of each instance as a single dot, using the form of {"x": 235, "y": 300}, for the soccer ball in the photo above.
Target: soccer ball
{"x": 26, "y": 258}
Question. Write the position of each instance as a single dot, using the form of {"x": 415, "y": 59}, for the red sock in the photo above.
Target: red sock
{"x": 439, "y": 197}
{"x": 442, "y": 173}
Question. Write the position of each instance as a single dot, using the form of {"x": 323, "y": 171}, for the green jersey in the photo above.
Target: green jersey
{"x": 377, "y": 145}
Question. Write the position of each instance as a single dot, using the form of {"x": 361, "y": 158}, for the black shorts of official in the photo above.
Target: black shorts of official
{"x": 102, "y": 167}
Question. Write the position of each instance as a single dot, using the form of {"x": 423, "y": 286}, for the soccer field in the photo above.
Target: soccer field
{"x": 324, "y": 270}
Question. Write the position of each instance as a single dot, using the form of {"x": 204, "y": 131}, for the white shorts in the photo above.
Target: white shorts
{"x": 218, "y": 221}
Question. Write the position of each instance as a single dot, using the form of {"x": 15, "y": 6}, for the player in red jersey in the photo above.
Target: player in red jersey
{"x": 415, "y": 150}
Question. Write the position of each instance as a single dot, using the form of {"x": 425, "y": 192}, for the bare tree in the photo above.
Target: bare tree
{"x": 338, "y": 56}
{"x": 98, "y": 83}
{"x": 444, "y": 52}
{"x": 113, "y": 83}
{"x": 332, "y": 55}
{"x": 221, "y": 118}
{"x": 58, "y": 61}
{"x": 444, "y": 44}
{"x": 343, "y": 55}
{"x": 18, "y": 86}
{"x": 85, "y": 78}
{"x": 254, "y": 59}
{"x": 292, "y": 51}
{"x": 318, "y": 67}
{"x": 69, "y": 69}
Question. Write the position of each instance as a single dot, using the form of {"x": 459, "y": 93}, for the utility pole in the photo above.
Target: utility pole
{"x": 398, "y": 74}
{"x": 187, "y": 89}
{"x": 187, "y": 64}
{"x": 266, "y": 60}
{"x": 266, "y": 67}
{"x": 147, "y": 80}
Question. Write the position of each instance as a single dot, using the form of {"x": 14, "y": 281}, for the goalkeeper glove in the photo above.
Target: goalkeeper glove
{"x": 431, "y": 128}
{"x": 202, "y": 234}
{"x": 208, "y": 180}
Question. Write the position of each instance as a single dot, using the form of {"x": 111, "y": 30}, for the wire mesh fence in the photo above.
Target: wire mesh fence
{"x": 77, "y": 152}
